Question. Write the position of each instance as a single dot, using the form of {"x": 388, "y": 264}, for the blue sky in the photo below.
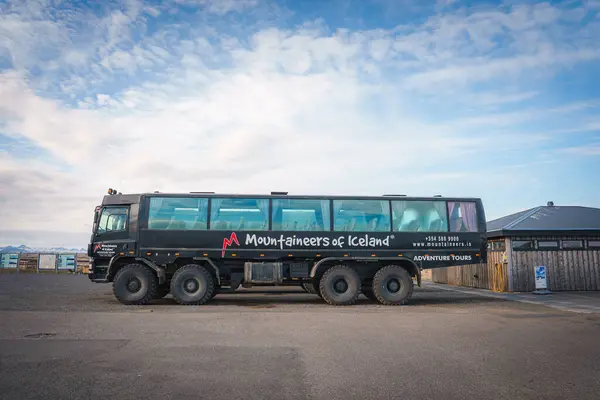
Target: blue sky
{"x": 495, "y": 99}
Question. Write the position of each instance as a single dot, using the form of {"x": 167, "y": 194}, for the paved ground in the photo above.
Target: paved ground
{"x": 579, "y": 302}
{"x": 289, "y": 345}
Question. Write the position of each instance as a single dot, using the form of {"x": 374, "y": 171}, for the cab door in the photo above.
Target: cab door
{"x": 112, "y": 232}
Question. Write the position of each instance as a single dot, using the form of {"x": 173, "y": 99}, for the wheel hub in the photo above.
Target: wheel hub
{"x": 134, "y": 285}
{"x": 393, "y": 285}
{"x": 340, "y": 286}
{"x": 191, "y": 285}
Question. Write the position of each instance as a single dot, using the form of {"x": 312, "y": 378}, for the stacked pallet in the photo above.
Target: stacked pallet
{"x": 28, "y": 262}
{"x": 83, "y": 263}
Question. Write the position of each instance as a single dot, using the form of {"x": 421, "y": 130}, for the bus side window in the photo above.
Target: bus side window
{"x": 173, "y": 213}
{"x": 361, "y": 215}
{"x": 419, "y": 216}
{"x": 463, "y": 216}
{"x": 239, "y": 213}
{"x": 300, "y": 215}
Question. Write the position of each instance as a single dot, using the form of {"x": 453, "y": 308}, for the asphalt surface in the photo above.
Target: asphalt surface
{"x": 65, "y": 337}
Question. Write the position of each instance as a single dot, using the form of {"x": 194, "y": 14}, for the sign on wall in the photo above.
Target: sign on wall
{"x": 66, "y": 262}
{"x": 541, "y": 282}
{"x": 47, "y": 262}
{"x": 540, "y": 277}
{"x": 9, "y": 260}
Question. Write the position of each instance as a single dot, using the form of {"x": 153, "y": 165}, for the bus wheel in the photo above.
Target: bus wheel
{"x": 392, "y": 285}
{"x": 309, "y": 287}
{"x": 340, "y": 286}
{"x": 192, "y": 285}
{"x": 135, "y": 284}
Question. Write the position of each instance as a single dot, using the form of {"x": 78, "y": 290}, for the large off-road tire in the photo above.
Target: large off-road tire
{"x": 162, "y": 291}
{"x": 309, "y": 287}
{"x": 192, "y": 285}
{"x": 392, "y": 285}
{"x": 135, "y": 284}
{"x": 340, "y": 286}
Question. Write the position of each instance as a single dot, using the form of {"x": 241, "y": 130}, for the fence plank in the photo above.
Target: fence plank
{"x": 596, "y": 268}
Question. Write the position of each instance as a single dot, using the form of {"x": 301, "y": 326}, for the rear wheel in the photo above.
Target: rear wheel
{"x": 392, "y": 285}
{"x": 192, "y": 285}
{"x": 135, "y": 284}
{"x": 340, "y": 286}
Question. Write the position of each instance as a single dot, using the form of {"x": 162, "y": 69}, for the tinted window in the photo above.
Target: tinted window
{"x": 361, "y": 215}
{"x": 547, "y": 244}
{"x": 419, "y": 216}
{"x": 463, "y": 216}
{"x": 522, "y": 245}
{"x": 239, "y": 214}
{"x": 572, "y": 244}
{"x": 300, "y": 215}
{"x": 178, "y": 213}
{"x": 499, "y": 245}
{"x": 594, "y": 244}
{"x": 113, "y": 219}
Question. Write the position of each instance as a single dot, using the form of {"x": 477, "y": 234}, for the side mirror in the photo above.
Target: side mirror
{"x": 96, "y": 214}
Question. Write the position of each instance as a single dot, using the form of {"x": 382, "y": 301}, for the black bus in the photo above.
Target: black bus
{"x": 198, "y": 244}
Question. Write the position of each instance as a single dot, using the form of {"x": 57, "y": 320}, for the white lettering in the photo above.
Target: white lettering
{"x": 452, "y": 257}
{"x": 283, "y": 241}
{"x": 461, "y": 257}
{"x": 251, "y": 239}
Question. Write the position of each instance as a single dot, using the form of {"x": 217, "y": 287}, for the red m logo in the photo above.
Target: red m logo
{"x": 227, "y": 242}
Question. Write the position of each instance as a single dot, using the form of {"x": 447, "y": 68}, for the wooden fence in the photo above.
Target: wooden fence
{"x": 575, "y": 270}
{"x": 565, "y": 269}
{"x": 492, "y": 276}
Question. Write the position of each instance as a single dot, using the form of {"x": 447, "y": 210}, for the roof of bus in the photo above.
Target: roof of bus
{"x": 134, "y": 198}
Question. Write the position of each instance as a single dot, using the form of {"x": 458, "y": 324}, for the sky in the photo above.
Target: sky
{"x": 496, "y": 99}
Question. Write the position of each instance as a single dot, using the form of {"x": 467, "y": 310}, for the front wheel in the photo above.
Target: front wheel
{"x": 135, "y": 284}
{"x": 392, "y": 285}
{"x": 192, "y": 285}
{"x": 340, "y": 286}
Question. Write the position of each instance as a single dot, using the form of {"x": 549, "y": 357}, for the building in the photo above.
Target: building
{"x": 564, "y": 239}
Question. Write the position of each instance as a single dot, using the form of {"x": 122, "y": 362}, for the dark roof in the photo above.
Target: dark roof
{"x": 548, "y": 221}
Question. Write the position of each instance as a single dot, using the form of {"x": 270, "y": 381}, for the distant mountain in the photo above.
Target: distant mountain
{"x": 12, "y": 249}
{"x": 25, "y": 249}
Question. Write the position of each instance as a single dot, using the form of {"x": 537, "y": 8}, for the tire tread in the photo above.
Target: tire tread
{"x": 376, "y": 280}
{"x": 153, "y": 289}
{"x": 209, "y": 291}
{"x": 322, "y": 286}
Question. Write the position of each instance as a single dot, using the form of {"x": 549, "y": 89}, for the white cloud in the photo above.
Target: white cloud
{"x": 495, "y": 98}
{"x": 300, "y": 109}
{"x": 221, "y": 6}
{"x": 587, "y": 150}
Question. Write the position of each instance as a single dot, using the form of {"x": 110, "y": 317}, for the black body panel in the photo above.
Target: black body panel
{"x": 454, "y": 248}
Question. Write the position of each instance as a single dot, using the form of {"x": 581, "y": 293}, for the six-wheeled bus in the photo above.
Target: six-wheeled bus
{"x": 196, "y": 245}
